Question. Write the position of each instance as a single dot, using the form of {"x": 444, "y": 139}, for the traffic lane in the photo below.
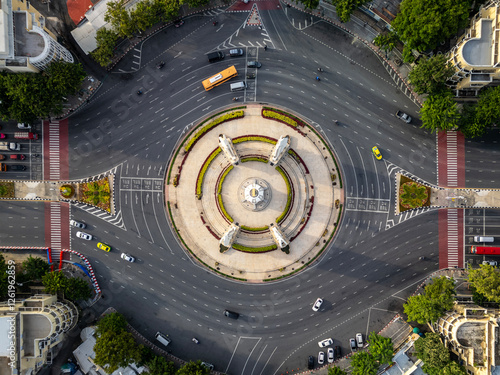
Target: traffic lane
{"x": 23, "y": 223}
{"x": 481, "y": 165}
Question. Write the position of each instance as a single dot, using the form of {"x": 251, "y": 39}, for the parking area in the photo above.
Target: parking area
{"x": 26, "y": 162}
{"x": 485, "y": 223}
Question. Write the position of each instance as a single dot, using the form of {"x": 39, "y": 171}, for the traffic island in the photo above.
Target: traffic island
{"x": 254, "y": 193}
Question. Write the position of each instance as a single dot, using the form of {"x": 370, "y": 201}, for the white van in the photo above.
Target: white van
{"x": 484, "y": 239}
{"x": 162, "y": 338}
{"x": 237, "y": 86}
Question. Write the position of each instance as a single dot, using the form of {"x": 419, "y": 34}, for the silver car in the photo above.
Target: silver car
{"x": 128, "y": 258}
{"x": 325, "y": 342}
{"x": 84, "y": 236}
{"x": 77, "y": 224}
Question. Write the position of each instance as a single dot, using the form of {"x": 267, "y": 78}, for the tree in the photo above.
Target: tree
{"x": 160, "y": 366}
{"x": 120, "y": 18}
{"x": 422, "y": 24}
{"x": 381, "y": 348}
{"x": 430, "y": 75}
{"x": 114, "y": 350}
{"x": 33, "y": 269}
{"x": 310, "y": 4}
{"x": 54, "y": 282}
{"x": 345, "y": 8}
{"x": 440, "y": 112}
{"x": 453, "y": 368}
{"x": 363, "y": 363}
{"x": 432, "y": 352}
{"x": 486, "y": 281}
{"x": 4, "y": 282}
{"x": 197, "y": 3}
{"x": 114, "y": 322}
{"x": 386, "y": 41}
{"x": 441, "y": 291}
{"x": 77, "y": 288}
{"x": 64, "y": 78}
{"x": 193, "y": 368}
{"x": 336, "y": 371}
{"x": 106, "y": 42}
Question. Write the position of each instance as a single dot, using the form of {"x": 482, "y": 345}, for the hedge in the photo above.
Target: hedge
{"x": 298, "y": 120}
{"x": 247, "y": 249}
{"x": 224, "y": 212}
{"x": 276, "y": 116}
{"x": 253, "y": 158}
{"x": 253, "y": 229}
{"x": 203, "y": 170}
{"x": 289, "y": 195}
{"x": 254, "y": 138}
{"x": 222, "y": 178}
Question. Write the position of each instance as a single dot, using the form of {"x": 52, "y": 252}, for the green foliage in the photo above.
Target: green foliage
{"x": 4, "y": 283}
{"x": 254, "y": 229}
{"x": 224, "y": 212}
{"x": 106, "y": 42}
{"x": 345, "y": 8}
{"x": 253, "y": 158}
{"x": 114, "y": 350}
{"x": 430, "y": 75}
{"x": 363, "y": 363}
{"x": 310, "y": 4}
{"x": 54, "y": 282}
{"x": 96, "y": 193}
{"x": 120, "y": 19}
{"x": 77, "y": 289}
{"x": 487, "y": 111}
{"x": 3, "y": 190}
{"x": 486, "y": 281}
{"x": 413, "y": 195}
{"x": 253, "y": 138}
{"x": 64, "y": 78}
{"x": 429, "y": 307}
{"x": 386, "y": 41}
{"x": 160, "y": 366}
{"x": 453, "y": 368}
{"x": 247, "y": 249}
{"x": 288, "y": 195}
{"x": 33, "y": 269}
{"x": 440, "y": 112}
{"x": 336, "y": 371}
{"x": 223, "y": 177}
{"x": 197, "y": 3}
{"x": 277, "y": 116}
{"x": 211, "y": 125}
{"x": 433, "y": 353}
{"x": 193, "y": 368}
{"x": 381, "y": 348}
{"x": 422, "y": 24}
{"x": 114, "y": 322}
{"x": 203, "y": 170}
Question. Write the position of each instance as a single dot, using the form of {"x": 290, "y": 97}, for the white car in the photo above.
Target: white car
{"x": 77, "y": 224}
{"x": 359, "y": 340}
{"x": 330, "y": 355}
{"x": 84, "y": 235}
{"x": 325, "y": 342}
{"x": 23, "y": 126}
{"x": 321, "y": 358}
{"x": 490, "y": 262}
{"x": 128, "y": 258}
{"x": 317, "y": 304}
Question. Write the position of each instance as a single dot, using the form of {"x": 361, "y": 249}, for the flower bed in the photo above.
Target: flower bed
{"x": 222, "y": 178}
{"x": 277, "y": 114}
{"x": 203, "y": 170}
{"x": 219, "y": 120}
{"x": 7, "y": 190}
{"x": 221, "y": 206}
{"x": 253, "y": 229}
{"x": 298, "y": 159}
{"x": 412, "y": 194}
{"x": 96, "y": 193}
{"x": 254, "y": 158}
{"x": 280, "y": 218}
{"x": 67, "y": 191}
{"x": 259, "y": 138}
{"x": 247, "y": 249}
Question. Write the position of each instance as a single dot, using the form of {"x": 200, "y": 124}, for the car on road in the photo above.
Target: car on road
{"x": 23, "y": 126}
{"x": 326, "y": 342}
{"x": 330, "y": 355}
{"x": 128, "y": 258}
{"x": 490, "y": 262}
{"x": 235, "y": 52}
{"x": 317, "y": 304}
{"x": 254, "y": 64}
{"x": 84, "y": 235}
{"x": 359, "y": 340}
{"x": 310, "y": 362}
{"x": 104, "y": 247}
{"x": 77, "y": 224}
{"x": 17, "y": 167}
{"x": 377, "y": 153}
{"x": 321, "y": 358}
{"x": 231, "y": 314}
{"x": 352, "y": 344}
{"x": 17, "y": 157}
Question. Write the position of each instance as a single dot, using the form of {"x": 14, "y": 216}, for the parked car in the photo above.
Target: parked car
{"x": 254, "y": 64}
{"x": 317, "y": 304}
{"x": 128, "y": 258}
{"x": 17, "y": 167}
{"x": 23, "y": 126}
{"x": 321, "y": 358}
{"x": 490, "y": 262}
{"x": 325, "y": 343}
{"x": 84, "y": 236}
{"x": 330, "y": 355}
{"x": 104, "y": 247}
{"x": 310, "y": 362}
{"x": 235, "y": 52}
{"x": 250, "y": 75}
{"x": 17, "y": 157}
{"x": 352, "y": 344}
{"x": 2, "y": 157}
{"x": 77, "y": 224}
{"x": 359, "y": 340}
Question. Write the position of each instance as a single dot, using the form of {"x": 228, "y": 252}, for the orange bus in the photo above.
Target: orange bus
{"x": 219, "y": 78}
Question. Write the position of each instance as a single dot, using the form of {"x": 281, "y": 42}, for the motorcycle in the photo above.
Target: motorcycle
{"x": 160, "y": 65}
{"x": 139, "y": 92}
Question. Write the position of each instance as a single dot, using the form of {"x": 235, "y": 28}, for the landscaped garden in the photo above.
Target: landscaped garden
{"x": 7, "y": 190}
{"x": 96, "y": 193}
{"x": 412, "y": 194}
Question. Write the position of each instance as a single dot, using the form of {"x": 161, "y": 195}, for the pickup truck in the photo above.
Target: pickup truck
{"x": 25, "y": 135}
{"x": 10, "y": 146}
{"x": 403, "y": 116}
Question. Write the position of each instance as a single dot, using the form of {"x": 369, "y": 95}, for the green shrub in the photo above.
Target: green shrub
{"x": 224, "y": 212}
{"x": 203, "y": 170}
{"x": 252, "y": 229}
{"x": 222, "y": 178}
{"x": 253, "y": 138}
{"x": 288, "y": 194}
{"x": 277, "y": 116}
{"x": 212, "y": 124}
{"x": 253, "y": 158}
{"x": 247, "y": 249}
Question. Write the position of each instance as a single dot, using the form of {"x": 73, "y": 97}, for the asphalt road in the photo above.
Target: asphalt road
{"x": 372, "y": 265}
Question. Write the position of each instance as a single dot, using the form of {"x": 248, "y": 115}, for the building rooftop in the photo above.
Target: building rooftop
{"x": 477, "y": 51}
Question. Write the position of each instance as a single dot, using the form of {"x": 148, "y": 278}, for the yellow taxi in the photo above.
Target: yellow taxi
{"x": 103, "y": 247}
{"x": 377, "y": 153}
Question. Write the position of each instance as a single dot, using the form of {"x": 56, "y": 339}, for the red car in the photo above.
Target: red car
{"x": 17, "y": 157}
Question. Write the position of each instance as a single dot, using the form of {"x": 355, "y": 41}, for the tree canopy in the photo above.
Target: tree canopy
{"x": 440, "y": 112}
{"x": 193, "y": 368}
{"x": 336, "y": 371}
{"x": 429, "y": 307}
{"x": 486, "y": 281}
{"x": 430, "y": 75}
{"x": 106, "y": 41}
{"x": 345, "y": 8}
{"x": 32, "y": 269}
{"x": 114, "y": 350}
{"x": 381, "y": 348}
{"x": 422, "y": 24}
{"x": 72, "y": 288}
{"x": 387, "y": 41}
{"x": 433, "y": 353}
{"x": 114, "y": 322}
{"x": 363, "y": 363}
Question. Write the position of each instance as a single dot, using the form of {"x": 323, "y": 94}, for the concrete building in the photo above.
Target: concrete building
{"x": 476, "y": 54}
{"x": 26, "y": 45}
{"x": 472, "y": 333}
{"x": 29, "y": 331}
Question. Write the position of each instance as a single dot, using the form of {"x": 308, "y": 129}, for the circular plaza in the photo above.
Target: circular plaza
{"x": 254, "y": 193}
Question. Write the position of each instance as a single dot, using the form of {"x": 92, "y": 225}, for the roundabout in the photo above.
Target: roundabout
{"x": 248, "y": 182}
